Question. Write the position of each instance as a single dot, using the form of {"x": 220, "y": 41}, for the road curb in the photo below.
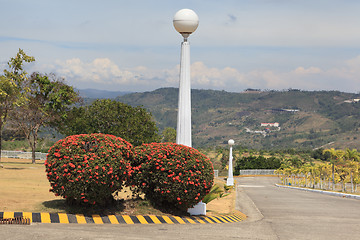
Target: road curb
{"x": 245, "y": 204}
{"x": 66, "y": 218}
{"x": 338, "y": 194}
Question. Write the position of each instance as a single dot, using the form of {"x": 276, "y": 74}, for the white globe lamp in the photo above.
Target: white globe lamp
{"x": 186, "y": 22}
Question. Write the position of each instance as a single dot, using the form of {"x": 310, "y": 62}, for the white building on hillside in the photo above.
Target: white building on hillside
{"x": 355, "y": 100}
{"x": 275, "y": 124}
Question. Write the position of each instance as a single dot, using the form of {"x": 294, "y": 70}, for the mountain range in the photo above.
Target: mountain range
{"x": 260, "y": 119}
{"x": 95, "y": 93}
{"x": 254, "y": 118}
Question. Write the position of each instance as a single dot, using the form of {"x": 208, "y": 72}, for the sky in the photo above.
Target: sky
{"x": 123, "y": 45}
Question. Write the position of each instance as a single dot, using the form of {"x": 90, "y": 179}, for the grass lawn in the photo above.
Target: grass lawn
{"x": 25, "y": 188}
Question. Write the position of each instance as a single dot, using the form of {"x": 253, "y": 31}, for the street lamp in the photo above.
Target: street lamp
{"x": 185, "y": 22}
{"x": 230, "y": 179}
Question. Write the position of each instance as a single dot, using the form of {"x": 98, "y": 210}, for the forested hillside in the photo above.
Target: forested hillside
{"x": 306, "y": 119}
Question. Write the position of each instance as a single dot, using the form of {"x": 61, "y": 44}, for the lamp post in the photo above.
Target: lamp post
{"x": 230, "y": 179}
{"x": 185, "y": 22}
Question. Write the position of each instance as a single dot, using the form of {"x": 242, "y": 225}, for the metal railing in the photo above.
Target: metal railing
{"x": 257, "y": 172}
{"x": 23, "y": 155}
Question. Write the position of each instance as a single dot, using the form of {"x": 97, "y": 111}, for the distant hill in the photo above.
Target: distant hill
{"x": 95, "y": 93}
{"x": 307, "y": 119}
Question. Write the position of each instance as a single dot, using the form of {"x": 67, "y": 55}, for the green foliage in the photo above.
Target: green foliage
{"x": 111, "y": 117}
{"x": 294, "y": 161}
{"x": 353, "y": 155}
{"x": 11, "y": 134}
{"x": 88, "y": 168}
{"x": 23, "y": 145}
{"x": 19, "y": 145}
{"x": 260, "y": 162}
{"x": 169, "y": 135}
{"x": 47, "y": 100}
{"x": 16, "y": 64}
{"x": 215, "y": 192}
{"x": 343, "y": 167}
{"x": 51, "y": 95}
{"x": 12, "y": 82}
{"x": 227, "y": 188}
{"x": 172, "y": 175}
{"x": 12, "y": 86}
{"x": 320, "y": 154}
{"x": 224, "y": 160}
{"x": 7, "y": 91}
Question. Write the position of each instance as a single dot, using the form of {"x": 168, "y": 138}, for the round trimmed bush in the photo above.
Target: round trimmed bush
{"x": 88, "y": 168}
{"x": 172, "y": 175}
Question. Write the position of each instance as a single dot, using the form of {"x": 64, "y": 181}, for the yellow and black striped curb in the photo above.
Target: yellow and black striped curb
{"x": 121, "y": 219}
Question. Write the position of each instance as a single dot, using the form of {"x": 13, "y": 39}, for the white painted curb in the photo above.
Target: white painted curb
{"x": 323, "y": 192}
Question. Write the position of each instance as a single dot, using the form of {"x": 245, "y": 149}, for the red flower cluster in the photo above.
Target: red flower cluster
{"x": 88, "y": 167}
{"x": 172, "y": 175}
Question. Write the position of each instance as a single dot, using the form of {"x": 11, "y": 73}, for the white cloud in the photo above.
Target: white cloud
{"x": 310, "y": 70}
{"x": 354, "y": 65}
{"x": 100, "y": 70}
{"x": 106, "y": 74}
{"x": 201, "y": 75}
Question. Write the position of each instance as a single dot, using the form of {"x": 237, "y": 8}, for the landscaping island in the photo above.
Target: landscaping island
{"x": 24, "y": 188}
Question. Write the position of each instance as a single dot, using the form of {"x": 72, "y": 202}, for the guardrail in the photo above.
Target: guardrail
{"x": 257, "y": 172}
{"x": 23, "y": 155}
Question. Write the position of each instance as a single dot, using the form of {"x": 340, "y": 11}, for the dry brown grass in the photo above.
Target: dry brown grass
{"x": 225, "y": 205}
{"x": 25, "y": 188}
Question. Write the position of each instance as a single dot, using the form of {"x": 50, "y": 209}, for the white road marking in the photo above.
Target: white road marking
{"x": 254, "y": 186}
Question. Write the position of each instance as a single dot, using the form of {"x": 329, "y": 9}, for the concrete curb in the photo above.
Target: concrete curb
{"x": 121, "y": 219}
{"x": 323, "y": 192}
{"x": 247, "y": 206}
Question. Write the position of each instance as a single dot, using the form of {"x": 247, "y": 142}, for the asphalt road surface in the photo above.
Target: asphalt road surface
{"x": 295, "y": 214}
{"x": 273, "y": 213}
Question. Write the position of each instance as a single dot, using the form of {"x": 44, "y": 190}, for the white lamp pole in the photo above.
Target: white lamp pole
{"x": 230, "y": 179}
{"x": 185, "y": 22}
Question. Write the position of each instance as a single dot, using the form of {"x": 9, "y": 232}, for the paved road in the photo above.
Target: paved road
{"x": 277, "y": 214}
{"x": 294, "y": 214}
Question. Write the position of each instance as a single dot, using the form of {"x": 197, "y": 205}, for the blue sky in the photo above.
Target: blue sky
{"x": 132, "y": 45}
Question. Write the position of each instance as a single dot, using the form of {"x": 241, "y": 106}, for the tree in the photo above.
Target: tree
{"x": 225, "y": 160}
{"x": 134, "y": 124}
{"x": 335, "y": 157}
{"x": 169, "y": 135}
{"x": 353, "y": 158}
{"x": 48, "y": 100}
{"x": 11, "y": 87}
{"x": 353, "y": 155}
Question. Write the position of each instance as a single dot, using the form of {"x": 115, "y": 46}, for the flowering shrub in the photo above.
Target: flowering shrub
{"x": 172, "y": 175}
{"x": 88, "y": 168}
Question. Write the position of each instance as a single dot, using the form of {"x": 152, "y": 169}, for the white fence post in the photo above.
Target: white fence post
{"x": 23, "y": 155}
{"x": 257, "y": 172}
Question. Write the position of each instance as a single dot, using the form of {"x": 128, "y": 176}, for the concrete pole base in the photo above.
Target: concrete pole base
{"x": 198, "y": 209}
{"x": 230, "y": 181}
